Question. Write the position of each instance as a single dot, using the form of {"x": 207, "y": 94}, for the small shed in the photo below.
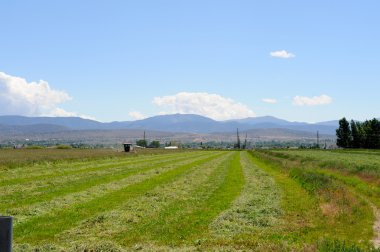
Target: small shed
{"x": 128, "y": 147}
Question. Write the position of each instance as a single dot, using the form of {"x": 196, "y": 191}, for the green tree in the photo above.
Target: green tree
{"x": 142, "y": 143}
{"x": 372, "y": 132}
{"x": 154, "y": 144}
{"x": 376, "y": 132}
{"x": 343, "y": 134}
{"x": 357, "y": 134}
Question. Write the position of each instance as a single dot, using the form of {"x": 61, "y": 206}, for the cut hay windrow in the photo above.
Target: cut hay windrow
{"x": 28, "y": 173}
{"x": 269, "y": 200}
{"x": 46, "y": 227}
{"x": 86, "y": 189}
{"x": 36, "y": 188}
{"x": 134, "y": 216}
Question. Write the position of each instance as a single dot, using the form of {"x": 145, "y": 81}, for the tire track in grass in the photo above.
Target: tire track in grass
{"x": 45, "y": 228}
{"x": 185, "y": 220}
{"x": 257, "y": 209}
{"x": 24, "y": 213}
{"x": 64, "y": 185}
{"x": 72, "y": 170}
{"x": 127, "y": 218}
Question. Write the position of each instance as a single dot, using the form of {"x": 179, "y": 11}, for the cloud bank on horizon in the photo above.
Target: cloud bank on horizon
{"x": 20, "y": 97}
{"x": 210, "y": 105}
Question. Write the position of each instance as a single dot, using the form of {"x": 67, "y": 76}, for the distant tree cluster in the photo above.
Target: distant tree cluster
{"x": 358, "y": 134}
{"x": 144, "y": 143}
{"x": 154, "y": 144}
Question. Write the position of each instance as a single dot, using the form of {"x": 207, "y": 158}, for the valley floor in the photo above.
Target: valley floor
{"x": 196, "y": 200}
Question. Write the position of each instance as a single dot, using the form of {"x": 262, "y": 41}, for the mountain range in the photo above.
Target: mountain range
{"x": 186, "y": 123}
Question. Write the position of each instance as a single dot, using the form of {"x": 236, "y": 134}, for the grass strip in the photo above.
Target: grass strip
{"x": 188, "y": 219}
{"x": 317, "y": 207}
{"x": 44, "y": 228}
{"x": 130, "y": 217}
{"x": 63, "y": 186}
{"x": 256, "y": 210}
{"x": 23, "y": 213}
{"x": 301, "y": 213}
{"x": 73, "y": 169}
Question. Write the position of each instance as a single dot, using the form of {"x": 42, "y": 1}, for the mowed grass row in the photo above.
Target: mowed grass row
{"x": 43, "y": 228}
{"x": 12, "y": 159}
{"x": 47, "y": 189}
{"x": 138, "y": 219}
{"x": 188, "y": 219}
{"x": 226, "y": 202}
{"x": 40, "y": 202}
{"x": 255, "y": 211}
{"x": 205, "y": 200}
{"x": 48, "y": 170}
{"x": 38, "y": 186}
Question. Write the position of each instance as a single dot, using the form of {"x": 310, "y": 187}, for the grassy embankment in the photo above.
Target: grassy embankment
{"x": 345, "y": 185}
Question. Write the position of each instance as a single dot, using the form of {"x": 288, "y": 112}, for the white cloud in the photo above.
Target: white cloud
{"x": 269, "y": 100}
{"x": 282, "y": 54}
{"x": 312, "y": 101}
{"x": 19, "y": 97}
{"x": 211, "y": 105}
{"x": 136, "y": 115}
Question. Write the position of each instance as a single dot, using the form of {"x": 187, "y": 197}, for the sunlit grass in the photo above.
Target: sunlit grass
{"x": 186, "y": 201}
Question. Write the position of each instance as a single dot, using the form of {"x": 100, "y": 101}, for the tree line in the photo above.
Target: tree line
{"x": 358, "y": 134}
{"x": 144, "y": 143}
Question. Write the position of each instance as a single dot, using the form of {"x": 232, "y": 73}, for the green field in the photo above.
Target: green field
{"x": 281, "y": 200}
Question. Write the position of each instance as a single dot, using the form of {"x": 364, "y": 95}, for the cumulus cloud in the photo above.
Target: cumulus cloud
{"x": 211, "y": 105}
{"x": 269, "y": 100}
{"x": 136, "y": 115}
{"x": 312, "y": 101}
{"x": 19, "y": 97}
{"x": 282, "y": 54}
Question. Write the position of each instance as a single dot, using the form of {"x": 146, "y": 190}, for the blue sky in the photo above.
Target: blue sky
{"x": 119, "y": 60}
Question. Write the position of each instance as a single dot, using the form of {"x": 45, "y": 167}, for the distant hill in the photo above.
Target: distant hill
{"x": 334, "y": 123}
{"x": 76, "y": 123}
{"x": 263, "y": 120}
{"x": 186, "y": 123}
{"x": 31, "y": 129}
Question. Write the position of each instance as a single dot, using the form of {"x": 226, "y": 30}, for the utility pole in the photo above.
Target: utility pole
{"x": 317, "y": 139}
{"x": 145, "y": 143}
{"x": 245, "y": 141}
{"x": 238, "y": 139}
